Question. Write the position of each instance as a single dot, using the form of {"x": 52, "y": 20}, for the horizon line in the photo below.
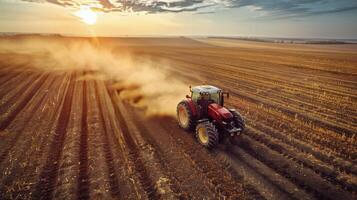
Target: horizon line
{"x": 2, "y": 33}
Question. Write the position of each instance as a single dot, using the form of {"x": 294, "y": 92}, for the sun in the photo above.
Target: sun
{"x": 87, "y": 15}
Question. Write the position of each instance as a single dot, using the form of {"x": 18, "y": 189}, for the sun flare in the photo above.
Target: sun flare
{"x": 87, "y": 15}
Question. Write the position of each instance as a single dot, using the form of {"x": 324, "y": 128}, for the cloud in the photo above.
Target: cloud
{"x": 150, "y": 6}
{"x": 273, "y": 8}
{"x": 281, "y": 9}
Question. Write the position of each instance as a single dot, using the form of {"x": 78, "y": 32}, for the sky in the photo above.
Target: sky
{"x": 250, "y": 18}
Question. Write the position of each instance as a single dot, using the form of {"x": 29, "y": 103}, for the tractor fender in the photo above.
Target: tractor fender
{"x": 192, "y": 107}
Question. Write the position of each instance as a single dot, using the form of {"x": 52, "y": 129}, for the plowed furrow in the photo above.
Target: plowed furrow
{"x": 294, "y": 101}
{"x": 19, "y": 82}
{"x": 323, "y": 156}
{"x": 15, "y": 91}
{"x": 297, "y": 96}
{"x": 7, "y": 118}
{"x": 83, "y": 179}
{"x": 113, "y": 179}
{"x": 303, "y": 177}
{"x": 98, "y": 175}
{"x": 129, "y": 188}
{"x": 302, "y": 108}
{"x": 314, "y": 91}
{"x": 298, "y": 130}
{"x": 214, "y": 67}
{"x": 304, "y": 95}
{"x": 215, "y": 175}
{"x": 270, "y": 184}
{"x": 324, "y": 170}
{"x": 8, "y": 77}
{"x": 284, "y": 72}
{"x": 234, "y": 80}
{"x": 290, "y": 110}
{"x": 68, "y": 177}
{"x": 297, "y": 79}
{"x": 25, "y": 119}
{"x": 139, "y": 160}
{"x": 20, "y": 169}
{"x": 49, "y": 173}
{"x": 187, "y": 184}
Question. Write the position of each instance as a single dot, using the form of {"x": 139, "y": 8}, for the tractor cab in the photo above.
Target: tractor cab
{"x": 207, "y": 94}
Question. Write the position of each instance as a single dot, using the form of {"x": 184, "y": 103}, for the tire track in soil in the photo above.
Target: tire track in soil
{"x": 299, "y": 132}
{"x": 83, "y": 179}
{"x": 304, "y": 177}
{"x": 18, "y": 133}
{"x": 169, "y": 140}
{"x": 14, "y": 75}
{"x": 273, "y": 189}
{"x": 129, "y": 183}
{"x": 98, "y": 175}
{"x": 29, "y": 93}
{"x": 48, "y": 176}
{"x": 186, "y": 185}
{"x": 67, "y": 185}
{"x": 11, "y": 94}
{"x": 291, "y": 111}
{"x": 334, "y": 160}
{"x": 30, "y": 151}
{"x": 113, "y": 179}
{"x": 18, "y": 168}
{"x": 136, "y": 159}
{"x": 18, "y": 83}
{"x": 322, "y": 169}
{"x": 265, "y": 180}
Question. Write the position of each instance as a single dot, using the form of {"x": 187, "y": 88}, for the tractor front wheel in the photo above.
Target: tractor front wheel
{"x": 207, "y": 135}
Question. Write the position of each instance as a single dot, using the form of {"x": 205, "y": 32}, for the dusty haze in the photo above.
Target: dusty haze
{"x": 140, "y": 81}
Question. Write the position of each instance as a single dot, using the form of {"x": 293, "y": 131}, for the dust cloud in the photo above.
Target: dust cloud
{"x": 141, "y": 81}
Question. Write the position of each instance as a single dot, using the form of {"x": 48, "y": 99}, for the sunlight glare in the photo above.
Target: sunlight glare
{"x": 87, "y": 15}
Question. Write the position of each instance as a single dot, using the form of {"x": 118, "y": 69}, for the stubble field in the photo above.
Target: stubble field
{"x": 72, "y": 134}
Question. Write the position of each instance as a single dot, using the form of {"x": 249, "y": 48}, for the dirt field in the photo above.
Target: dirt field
{"x": 63, "y": 136}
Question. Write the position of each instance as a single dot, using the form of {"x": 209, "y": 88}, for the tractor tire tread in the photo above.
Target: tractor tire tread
{"x": 213, "y": 135}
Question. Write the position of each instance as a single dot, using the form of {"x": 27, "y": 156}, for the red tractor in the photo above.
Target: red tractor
{"x": 205, "y": 113}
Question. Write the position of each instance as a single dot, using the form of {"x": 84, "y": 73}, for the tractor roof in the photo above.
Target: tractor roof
{"x": 205, "y": 88}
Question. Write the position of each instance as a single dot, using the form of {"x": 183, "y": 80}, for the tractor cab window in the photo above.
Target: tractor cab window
{"x": 205, "y": 96}
{"x": 216, "y": 97}
{"x": 195, "y": 96}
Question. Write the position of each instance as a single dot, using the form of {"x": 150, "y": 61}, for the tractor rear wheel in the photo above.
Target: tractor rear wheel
{"x": 238, "y": 119}
{"x": 207, "y": 135}
{"x": 185, "y": 116}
